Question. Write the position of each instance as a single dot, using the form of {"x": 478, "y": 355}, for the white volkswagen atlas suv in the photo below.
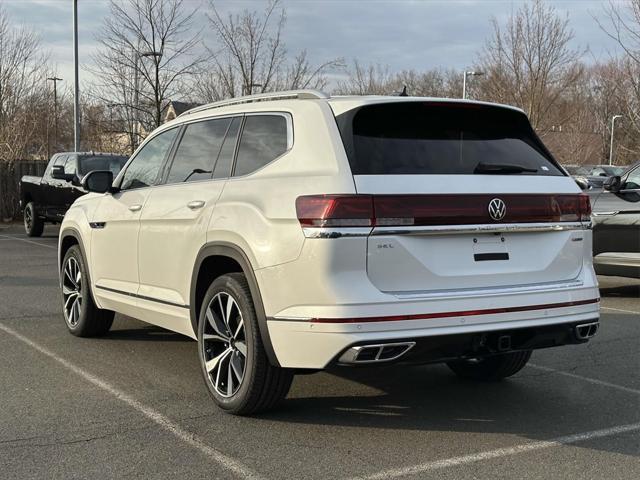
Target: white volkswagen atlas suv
{"x": 294, "y": 231}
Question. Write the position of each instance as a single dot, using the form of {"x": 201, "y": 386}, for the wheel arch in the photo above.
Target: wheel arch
{"x": 69, "y": 237}
{"x": 234, "y": 260}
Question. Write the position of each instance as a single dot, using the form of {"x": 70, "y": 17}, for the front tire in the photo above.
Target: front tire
{"x": 33, "y": 224}
{"x": 82, "y": 316}
{"x": 491, "y": 368}
{"x": 234, "y": 364}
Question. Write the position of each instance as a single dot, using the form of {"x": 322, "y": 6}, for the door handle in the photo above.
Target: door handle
{"x": 196, "y": 204}
{"x": 135, "y": 208}
{"x": 605, "y": 214}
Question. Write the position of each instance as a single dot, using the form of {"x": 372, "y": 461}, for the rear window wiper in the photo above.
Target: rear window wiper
{"x": 502, "y": 168}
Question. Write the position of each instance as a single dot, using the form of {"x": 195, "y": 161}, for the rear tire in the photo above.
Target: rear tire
{"x": 33, "y": 225}
{"x": 492, "y": 368}
{"x": 82, "y": 316}
{"x": 235, "y": 367}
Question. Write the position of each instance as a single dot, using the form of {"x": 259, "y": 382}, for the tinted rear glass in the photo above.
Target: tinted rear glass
{"x": 415, "y": 138}
{"x": 102, "y": 162}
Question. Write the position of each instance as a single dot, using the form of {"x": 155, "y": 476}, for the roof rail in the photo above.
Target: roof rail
{"x": 262, "y": 97}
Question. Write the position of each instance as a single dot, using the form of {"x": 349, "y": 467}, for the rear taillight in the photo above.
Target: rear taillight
{"x": 585, "y": 207}
{"x": 335, "y": 210}
{"x": 433, "y": 210}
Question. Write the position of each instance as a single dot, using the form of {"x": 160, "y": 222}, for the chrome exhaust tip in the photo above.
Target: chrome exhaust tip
{"x": 585, "y": 331}
{"x": 383, "y": 352}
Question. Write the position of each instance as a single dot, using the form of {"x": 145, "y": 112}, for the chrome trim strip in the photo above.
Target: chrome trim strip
{"x": 487, "y": 291}
{"x": 340, "y": 232}
{"x": 141, "y": 297}
{"x": 484, "y": 228}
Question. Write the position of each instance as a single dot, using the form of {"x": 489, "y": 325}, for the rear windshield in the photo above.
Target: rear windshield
{"x": 102, "y": 162}
{"x": 442, "y": 138}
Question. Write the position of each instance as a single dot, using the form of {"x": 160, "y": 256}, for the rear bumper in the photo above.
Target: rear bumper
{"x": 314, "y": 345}
{"x": 443, "y": 348}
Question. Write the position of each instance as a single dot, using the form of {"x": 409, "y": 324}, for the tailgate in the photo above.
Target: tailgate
{"x": 454, "y": 241}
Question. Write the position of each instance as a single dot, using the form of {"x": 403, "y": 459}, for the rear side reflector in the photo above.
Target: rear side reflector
{"x": 432, "y": 210}
{"x": 465, "y": 313}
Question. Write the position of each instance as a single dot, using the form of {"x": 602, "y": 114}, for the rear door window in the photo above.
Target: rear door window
{"x": 199, "y": 148}
{"x": 416, "y": 138}
{"x": 264, "y": 138}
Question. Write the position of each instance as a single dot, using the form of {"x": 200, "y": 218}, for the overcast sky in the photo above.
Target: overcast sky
{"x": 419, "y": 34}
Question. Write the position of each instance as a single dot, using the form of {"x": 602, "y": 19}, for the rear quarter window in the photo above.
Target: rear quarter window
{"x": 417, "y": 138}
{"x": 264, "y": 138}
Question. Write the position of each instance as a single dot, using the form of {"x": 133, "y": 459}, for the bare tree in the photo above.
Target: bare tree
{"x": 377, "y": 80}
{"x": 23, "y": 105}
{"x": 622, "y": 23}
{"x": 23, "y": 70}
{"x": 529, "y": 62}
{"x": 148, "y": 50}
{"x": 250, "y": 56}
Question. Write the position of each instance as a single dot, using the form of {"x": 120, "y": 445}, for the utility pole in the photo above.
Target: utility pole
{"x": 613, "y": 124}
{"x": 55, "y": 81}
{"x": 76, "y": 86}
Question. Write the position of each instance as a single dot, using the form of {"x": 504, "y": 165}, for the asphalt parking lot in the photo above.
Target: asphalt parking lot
{"x": 133, "y": 404}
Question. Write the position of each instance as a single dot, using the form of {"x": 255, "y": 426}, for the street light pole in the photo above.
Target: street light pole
{"x": 613, "y": 124}
{"x": 76, "y": 86}
{"x": 464, "y": 81}
{"x": 55, "y": 81}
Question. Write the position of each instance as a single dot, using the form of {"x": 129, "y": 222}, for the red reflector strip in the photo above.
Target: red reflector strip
{"x": 463, "y": 313}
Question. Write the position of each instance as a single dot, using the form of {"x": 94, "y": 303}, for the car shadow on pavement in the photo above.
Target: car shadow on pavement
{"x": 145, "y": 334}
{"x": 433, "y": 399}
{"x": 626, "y": 291}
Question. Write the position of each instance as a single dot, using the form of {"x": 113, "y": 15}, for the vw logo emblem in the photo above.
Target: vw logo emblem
{"x": 497, "y": 209}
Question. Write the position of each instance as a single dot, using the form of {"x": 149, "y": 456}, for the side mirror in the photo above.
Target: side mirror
{"x": 57, "y": 172}
{"x": 582, "y": 182}
{"x": 612, "y": 184}
{"x": 98, "y": 181}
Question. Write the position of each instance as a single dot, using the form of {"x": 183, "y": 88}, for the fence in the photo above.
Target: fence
{"x": 10, "y": 174}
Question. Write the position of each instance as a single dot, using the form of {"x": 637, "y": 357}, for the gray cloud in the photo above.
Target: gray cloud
{"x": 401, "y": 34}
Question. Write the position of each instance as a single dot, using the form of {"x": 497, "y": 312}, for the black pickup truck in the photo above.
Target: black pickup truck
{"x": 47, "y": 198}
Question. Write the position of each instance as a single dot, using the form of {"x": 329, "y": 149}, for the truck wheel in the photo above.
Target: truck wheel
{"x": 33, "y": 225}
{"x": 234, "y": 364}
{"x": 83, "y": 317}
{"x": 492, "y": 368}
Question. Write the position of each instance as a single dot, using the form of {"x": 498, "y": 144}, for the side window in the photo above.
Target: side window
{"x": 144, "y": 168}
{"x": 70, "y": 165}
{"x": 198, "y": 151}
{"x": 632, "y": 182}
{"x": 225, "y": 159}
{"x": 56, "y": 160}
{"x": 264, "y": 138}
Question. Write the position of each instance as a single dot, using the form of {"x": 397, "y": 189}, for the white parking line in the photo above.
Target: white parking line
{"x": 501, "y": 452}
{"x": 595, "y": 381}
{"x": 620, "y": 310}
{"x": 9, "y": 237}
{"x": 227, "y": 462}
